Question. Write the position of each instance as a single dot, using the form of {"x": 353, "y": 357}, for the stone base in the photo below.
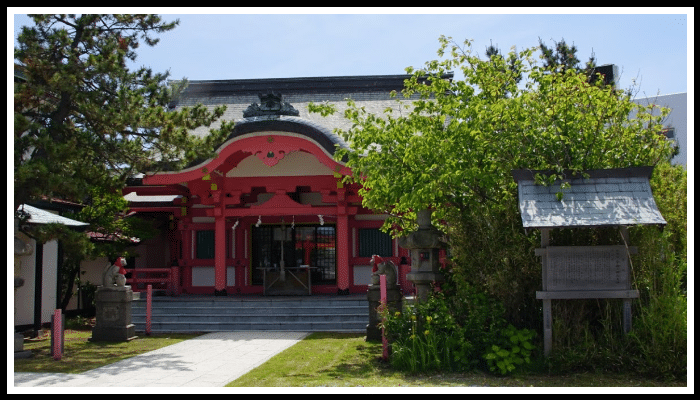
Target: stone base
{"x": 114, "y": 334}
{"x": 113, "y": 315}
{"x": 23, "y": 354}
{"x": 394, "y": 299}
{"x": 19, "y": 347}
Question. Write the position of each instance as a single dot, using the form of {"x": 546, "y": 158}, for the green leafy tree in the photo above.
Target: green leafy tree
{"x": 456, "y": 146}
{"x": 84, "y": 123}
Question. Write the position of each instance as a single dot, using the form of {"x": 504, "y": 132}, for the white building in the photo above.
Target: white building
{"x": 676, "y": 123}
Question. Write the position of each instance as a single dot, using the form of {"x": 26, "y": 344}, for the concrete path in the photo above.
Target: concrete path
{"x": 210, "y": 360}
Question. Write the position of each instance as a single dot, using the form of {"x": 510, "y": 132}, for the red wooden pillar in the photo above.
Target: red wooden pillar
{"x": 186, "y": 261}
{"x": 219, "y": 252}
{"x": 343, "y": 252}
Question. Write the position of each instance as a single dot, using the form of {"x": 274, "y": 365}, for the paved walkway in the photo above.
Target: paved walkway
{"x": 210, "y": 360}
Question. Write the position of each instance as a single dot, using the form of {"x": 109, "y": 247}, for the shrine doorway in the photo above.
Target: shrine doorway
{"x": 307, "y": 247}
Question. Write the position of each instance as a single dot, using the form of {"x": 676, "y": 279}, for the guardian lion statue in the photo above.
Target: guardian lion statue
{"x": 114, "y": 274}
{"x": 381, "y": 267}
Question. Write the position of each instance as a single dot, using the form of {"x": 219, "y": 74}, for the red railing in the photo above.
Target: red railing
{"x": 160, "y": 278}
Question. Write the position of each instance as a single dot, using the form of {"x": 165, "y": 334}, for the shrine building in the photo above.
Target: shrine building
{"x": 269, "y": 214}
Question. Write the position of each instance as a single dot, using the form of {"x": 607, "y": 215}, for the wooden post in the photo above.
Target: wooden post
{"x": 382, "y": 301}
{"x": 149, "y": 299}
{"x": 547, "y": 303}
{"x": 626, "y": 303}
{"x": 57, "y": 335}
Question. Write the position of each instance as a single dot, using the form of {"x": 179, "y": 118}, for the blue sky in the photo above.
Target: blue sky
{"x": 231, "y": 43}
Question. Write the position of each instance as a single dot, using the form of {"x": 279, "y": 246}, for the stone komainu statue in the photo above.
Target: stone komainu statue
{"x": 381, "y": 267}
{"x": 114, "y": 274}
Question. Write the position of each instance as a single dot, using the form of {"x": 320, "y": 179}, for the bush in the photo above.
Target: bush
{"x": 451, "y": 332}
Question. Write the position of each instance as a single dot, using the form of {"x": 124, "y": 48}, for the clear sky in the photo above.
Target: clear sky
{"x": 231, "y": 43}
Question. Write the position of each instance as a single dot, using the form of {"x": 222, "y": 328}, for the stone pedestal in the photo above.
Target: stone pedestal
{"x": 393, "y": 300}
{"x": 113, "y": 315}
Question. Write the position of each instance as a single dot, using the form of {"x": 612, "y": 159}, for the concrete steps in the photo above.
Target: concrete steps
{"x": 240, "y": 313}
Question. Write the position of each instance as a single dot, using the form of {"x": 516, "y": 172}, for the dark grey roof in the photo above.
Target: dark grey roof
{"x": 201, "y": 88}
{"x": 607, "y": 198}
{"x": 285, "y": 123}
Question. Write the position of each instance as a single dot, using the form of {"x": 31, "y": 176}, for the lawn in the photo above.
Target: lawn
{"x": 347, "y": 360}
{"x": 82, "y": 355}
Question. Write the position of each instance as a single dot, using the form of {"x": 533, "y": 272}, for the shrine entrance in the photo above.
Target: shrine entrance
{"x": 293, "y": 257}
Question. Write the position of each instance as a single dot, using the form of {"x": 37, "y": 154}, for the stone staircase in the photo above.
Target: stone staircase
{"x": 329, "y": 313}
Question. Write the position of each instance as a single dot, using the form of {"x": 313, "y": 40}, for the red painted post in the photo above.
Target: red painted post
{"x": 149, "y": 297}
{"x": 57, "y": 335}
{"x": 382, "y": 301}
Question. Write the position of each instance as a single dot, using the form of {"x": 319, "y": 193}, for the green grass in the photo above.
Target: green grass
{"x": 82, "y": 355}
{"x": 346, "y": 360}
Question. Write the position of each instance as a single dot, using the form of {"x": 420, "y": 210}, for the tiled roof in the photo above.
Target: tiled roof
{"x": 39, "y": 216}
{"x": 608, "y": 198}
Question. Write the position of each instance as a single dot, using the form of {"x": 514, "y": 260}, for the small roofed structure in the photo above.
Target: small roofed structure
{"x": 39, "y": 216}
{"x": 603, "y": 198}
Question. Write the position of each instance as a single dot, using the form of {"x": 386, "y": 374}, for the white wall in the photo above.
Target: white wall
{"x": 678, "y": 119}
{"x": 24, "y": 296}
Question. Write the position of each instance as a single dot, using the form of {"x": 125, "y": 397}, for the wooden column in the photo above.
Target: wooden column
{"x": 219, "y": 252}
{"x": 343, "y": 260}
{"x": 626, "y": 303}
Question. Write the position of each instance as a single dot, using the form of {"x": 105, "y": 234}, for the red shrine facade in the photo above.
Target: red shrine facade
{"x": 269, "y": 214}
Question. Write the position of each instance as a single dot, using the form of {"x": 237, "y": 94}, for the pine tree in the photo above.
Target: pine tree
{"x": 83, "y": 121}
{"x": 563, "y": 57}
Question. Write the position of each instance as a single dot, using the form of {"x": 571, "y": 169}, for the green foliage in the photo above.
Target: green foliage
{"x": 514, "y": 350}
{"x": 83, "y": 120}
{"x": 456, "y": 332}
{"x": 451, "y": 148}
{"x": 456, "y": 144}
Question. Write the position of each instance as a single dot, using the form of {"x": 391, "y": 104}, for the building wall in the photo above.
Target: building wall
{"x": 678, "y": 119}
{"x": 25, "y": 267}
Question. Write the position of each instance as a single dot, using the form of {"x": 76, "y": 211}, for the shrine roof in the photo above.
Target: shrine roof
{"x": 285, "y": 123}
{"x": 39, "y": 216}
{"x": 363, "y": 83}
{"x": 611, "y": 197}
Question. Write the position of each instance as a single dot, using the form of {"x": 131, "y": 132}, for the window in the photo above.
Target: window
{"x": 374, "y": 241}
{"x": 205, "y": 244}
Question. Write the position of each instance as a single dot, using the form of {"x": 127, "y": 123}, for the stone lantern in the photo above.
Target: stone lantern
{"x": 424, "y": 246}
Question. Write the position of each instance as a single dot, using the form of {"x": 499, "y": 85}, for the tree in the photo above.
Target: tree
{"x": 452, "y": 150}
{"x": 456, "y": 147}
{"x": 563, "y": 57}
{"x": 84, "y": 124}
{"x": 83, "y": 120}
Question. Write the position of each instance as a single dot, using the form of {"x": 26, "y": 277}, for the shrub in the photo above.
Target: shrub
{"x": 451, "y": 332}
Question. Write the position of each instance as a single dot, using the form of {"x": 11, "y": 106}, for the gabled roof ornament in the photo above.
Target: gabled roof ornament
{"x": 271, "y": 104}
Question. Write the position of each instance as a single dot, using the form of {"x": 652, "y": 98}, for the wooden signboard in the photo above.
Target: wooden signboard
{"x": 585, "y": 272}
